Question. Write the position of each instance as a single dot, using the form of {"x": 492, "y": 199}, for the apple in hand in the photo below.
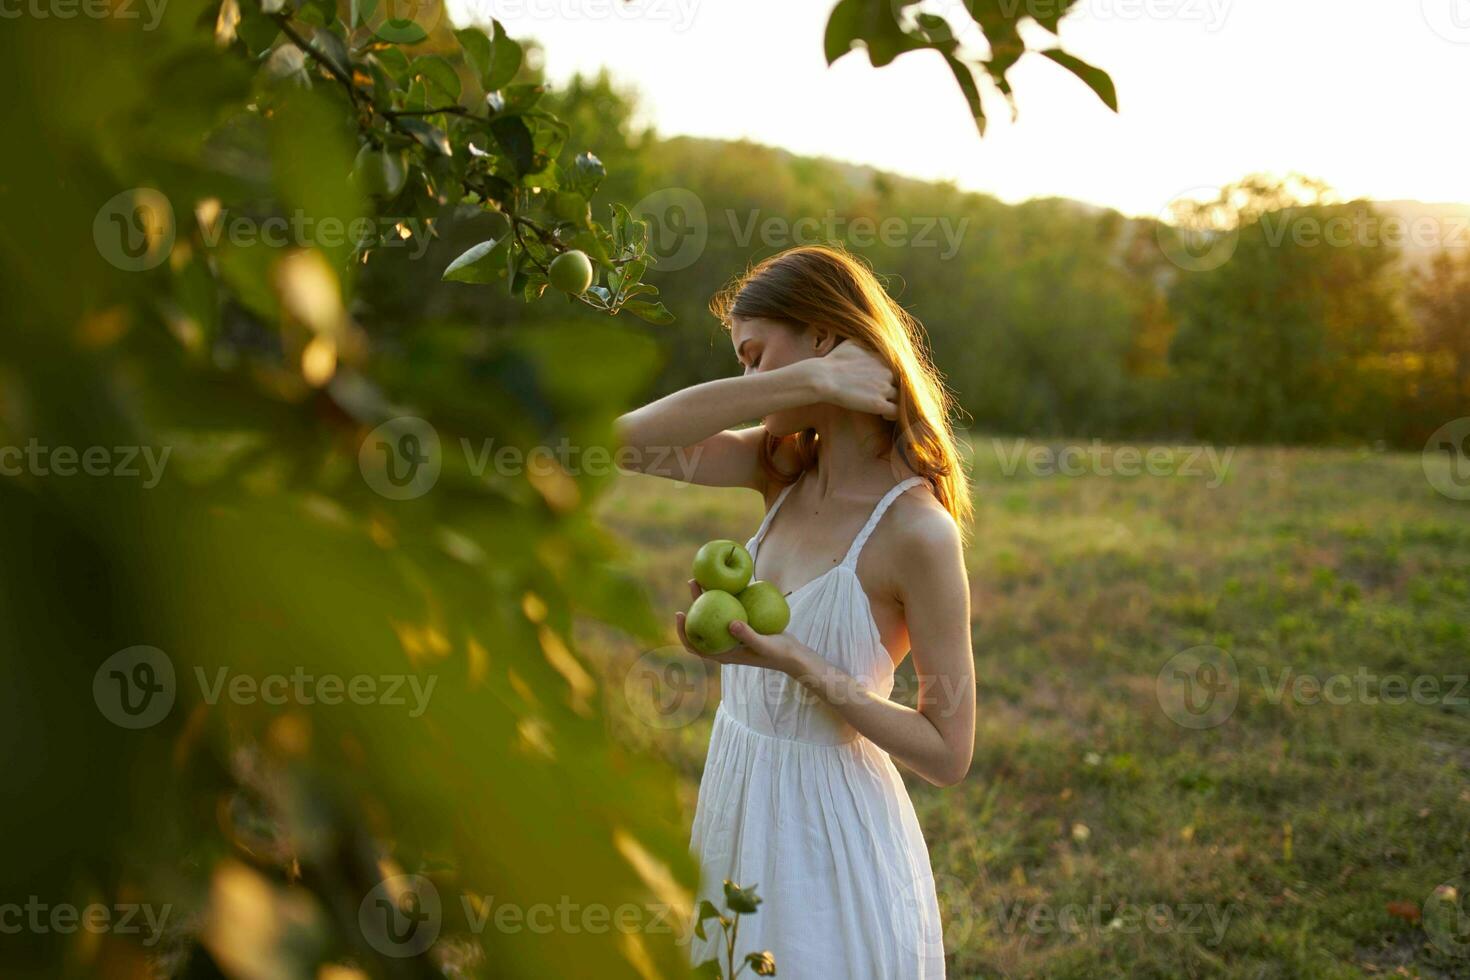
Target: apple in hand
{"x": 707, "y": 624}
{"x": 765, "y": 608}
{"x": 723, "y": 565}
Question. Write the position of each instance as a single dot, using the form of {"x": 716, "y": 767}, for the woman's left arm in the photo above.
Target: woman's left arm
{"x": 936, "y": 740}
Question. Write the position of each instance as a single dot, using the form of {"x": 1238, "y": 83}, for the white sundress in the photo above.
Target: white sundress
{"x": 795, "y": 802}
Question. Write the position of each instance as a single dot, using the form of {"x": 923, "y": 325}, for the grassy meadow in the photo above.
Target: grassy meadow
{"x": 1304, "y": 835}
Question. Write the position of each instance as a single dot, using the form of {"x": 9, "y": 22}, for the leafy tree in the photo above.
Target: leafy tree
{"x": 1281, "y": 341}
{"x": 1441, "y": 347}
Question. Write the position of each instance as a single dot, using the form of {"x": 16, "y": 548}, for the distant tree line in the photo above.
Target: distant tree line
{"x": 1270, "y": 315}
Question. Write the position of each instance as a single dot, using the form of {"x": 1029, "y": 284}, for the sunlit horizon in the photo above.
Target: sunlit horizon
{"x": 1210, "y": 91}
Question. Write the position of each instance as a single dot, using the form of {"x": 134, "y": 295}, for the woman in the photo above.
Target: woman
{"x": 865, "y": 499}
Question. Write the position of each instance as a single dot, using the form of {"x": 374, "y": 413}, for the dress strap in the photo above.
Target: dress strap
{"x": 878, "y": 511}
{"x": 760, "y": 534}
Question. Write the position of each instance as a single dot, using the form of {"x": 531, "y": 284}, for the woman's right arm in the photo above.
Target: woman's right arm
{"x": 688, "y": 436}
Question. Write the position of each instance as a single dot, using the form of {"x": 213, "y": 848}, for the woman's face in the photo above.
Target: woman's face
{"x": 764, "y": 345}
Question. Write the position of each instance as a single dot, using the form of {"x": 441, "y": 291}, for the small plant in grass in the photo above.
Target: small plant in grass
{"x": 739, "y": 901}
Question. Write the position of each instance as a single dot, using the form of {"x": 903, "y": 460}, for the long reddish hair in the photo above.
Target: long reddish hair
{"x": 819, "y": 285}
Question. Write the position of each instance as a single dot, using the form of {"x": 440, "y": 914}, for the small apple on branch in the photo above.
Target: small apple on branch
{"x": 723, "y": 569}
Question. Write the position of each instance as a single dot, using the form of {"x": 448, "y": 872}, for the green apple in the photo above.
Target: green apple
{"x": 765, "y": 608}
{"x": 723, "y": 565}
{"x": 708, "y": 623}
{"x": 571, "y": 272}
{"x": 379, "y": 172}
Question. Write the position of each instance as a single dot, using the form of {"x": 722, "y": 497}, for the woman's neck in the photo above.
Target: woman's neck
{"x": 849, "y": 445}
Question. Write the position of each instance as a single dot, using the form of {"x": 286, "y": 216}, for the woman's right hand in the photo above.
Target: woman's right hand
{"x": 853, "y": 377}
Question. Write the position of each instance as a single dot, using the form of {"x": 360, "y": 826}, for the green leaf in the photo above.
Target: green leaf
{"x": 257, "y": 31}
{"x": 844, "y": 25}
{"x": 966, "y": 80}
{"x": 586, "y": 175}
{"x": 659, "y": 314}
{"x": 874, "y": 25}
{"x": 332, "y": 48}
{"x": 432, "y": 137}
{"x": 394, "y": 62}
{"x": 477, "y": 50}
{"x": 514, "y": 138}
{"x": 1049, "y": 15}
{"x": 1095, "y": 78}
{"x": 483, "y": 264}
{"x": 439, "y": 75}
{"x": 505, "y": 61}
{"x": 571, "y": 207}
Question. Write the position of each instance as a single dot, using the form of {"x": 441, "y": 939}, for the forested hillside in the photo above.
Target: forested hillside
{"x": 1052, "y": 317}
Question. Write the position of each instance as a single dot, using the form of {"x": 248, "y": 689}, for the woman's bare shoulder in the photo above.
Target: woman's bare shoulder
{"x": 918, "y": 531}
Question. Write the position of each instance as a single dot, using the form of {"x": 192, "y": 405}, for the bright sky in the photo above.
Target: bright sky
{"x": 1366, "y": 94}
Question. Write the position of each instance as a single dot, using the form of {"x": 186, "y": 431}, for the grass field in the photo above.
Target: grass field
{"x": 1303, "y": 835}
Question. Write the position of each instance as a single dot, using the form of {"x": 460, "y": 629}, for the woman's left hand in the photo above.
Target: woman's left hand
{"x": 778, "y": 652}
